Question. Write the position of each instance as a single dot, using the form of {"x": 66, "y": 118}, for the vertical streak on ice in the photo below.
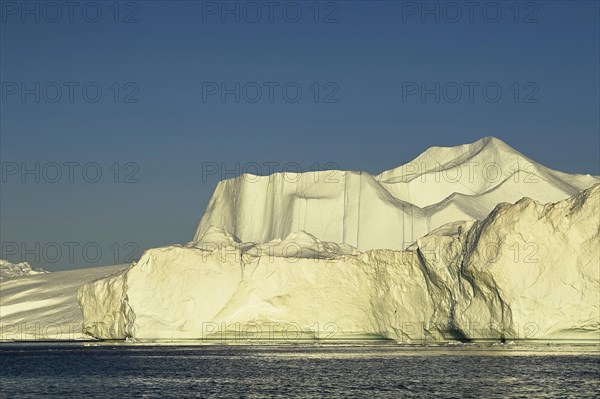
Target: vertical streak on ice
{"x": 412, "y": 225}
{"x": 403, "y": 210}
{"x": 358, "y": 208}
{"x": 235, "y": 194}
{"x": 345, "y": 210}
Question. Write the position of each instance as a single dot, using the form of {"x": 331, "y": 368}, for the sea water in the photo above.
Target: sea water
{"x": 299, "y": 371}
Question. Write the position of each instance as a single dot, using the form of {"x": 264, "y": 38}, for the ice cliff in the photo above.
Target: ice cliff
{"x": 526, "y": 270}
{"x": 390, "y": 210}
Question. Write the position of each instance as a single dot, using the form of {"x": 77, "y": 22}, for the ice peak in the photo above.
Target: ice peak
{"x": 487, "y": 148}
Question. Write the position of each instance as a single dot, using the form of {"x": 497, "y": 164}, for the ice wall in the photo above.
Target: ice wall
{"x": 391, "y": 210}
{"x": 525, "y": 271}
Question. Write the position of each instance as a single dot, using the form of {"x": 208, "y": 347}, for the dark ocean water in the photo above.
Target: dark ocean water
{"x": 470, "y": 371}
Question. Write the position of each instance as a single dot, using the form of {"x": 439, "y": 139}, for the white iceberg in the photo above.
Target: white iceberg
{"x": 11, "y": 270}
{"x": 527, "y": 271}
{"x": 429, "y": 251}
{"x": 43, "y": 306}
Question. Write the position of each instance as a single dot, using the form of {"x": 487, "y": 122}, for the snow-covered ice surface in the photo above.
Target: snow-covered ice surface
{"x": 12, "y": 270}
{"x": 526, "y": 271}
{"x": 390, "y": 210}
{"x": 44, "y": 306}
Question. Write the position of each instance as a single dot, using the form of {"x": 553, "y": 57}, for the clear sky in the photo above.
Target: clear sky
{"x": 152, "y": 93}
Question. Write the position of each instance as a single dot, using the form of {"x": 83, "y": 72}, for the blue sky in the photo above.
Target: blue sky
{"x": 151, "y": 92}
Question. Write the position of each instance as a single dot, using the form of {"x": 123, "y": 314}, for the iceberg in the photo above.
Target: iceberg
{"x": 10, "y": 270}
{"x": 526, "y": 271}
{"x": 43, "y": 306}
{"x": 474, "y": 242}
